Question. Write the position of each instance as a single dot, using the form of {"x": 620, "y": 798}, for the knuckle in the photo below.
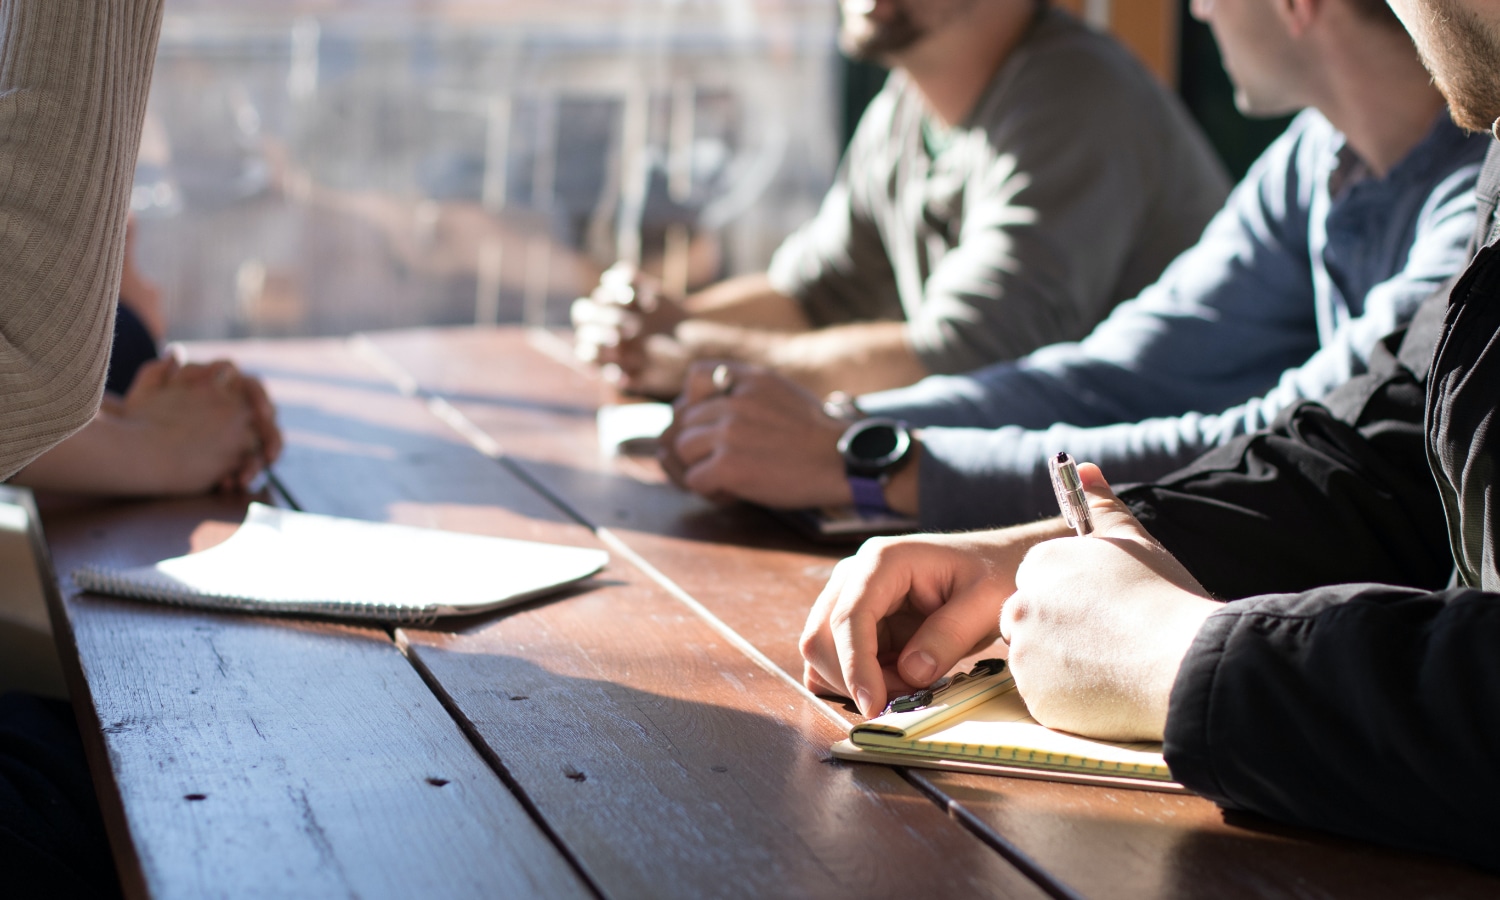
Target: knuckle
{"x": 855, "y": 570}
{"x": 810, "y": 642}
{"x": 843, "y": 615}
{"x": 846, "y": 565}
{"x": 883, "y": 552}
{"x": 730, "y": 430}
{"x": 1041, "y": 553}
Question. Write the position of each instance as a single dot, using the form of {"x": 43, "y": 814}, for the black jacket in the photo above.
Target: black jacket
{"x": 1352, "y": 687}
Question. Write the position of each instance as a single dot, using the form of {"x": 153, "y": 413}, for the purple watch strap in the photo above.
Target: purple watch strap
{"x": 869, "y": 496}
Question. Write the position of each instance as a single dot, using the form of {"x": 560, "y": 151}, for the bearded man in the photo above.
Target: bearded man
{"x": 975, "y": 217}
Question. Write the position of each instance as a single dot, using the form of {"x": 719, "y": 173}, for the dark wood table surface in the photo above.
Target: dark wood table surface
{"x": 642, "y": 735}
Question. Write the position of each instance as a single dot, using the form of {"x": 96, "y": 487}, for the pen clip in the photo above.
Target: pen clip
{"x": 926, "y": 697}
{"x": 1071, "y": 499}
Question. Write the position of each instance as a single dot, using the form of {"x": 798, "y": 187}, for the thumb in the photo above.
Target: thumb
{"x": 1112, "y": 518}
{"x": 153, "y": 374}
{"x": 945, "y": 637}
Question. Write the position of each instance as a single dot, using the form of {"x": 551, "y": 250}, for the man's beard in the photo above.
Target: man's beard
{"x": 1465, "y": 62}
{"x": 879, "y": 40}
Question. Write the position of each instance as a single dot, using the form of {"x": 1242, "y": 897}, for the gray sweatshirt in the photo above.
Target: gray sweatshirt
{"x": 1074, "y": 182}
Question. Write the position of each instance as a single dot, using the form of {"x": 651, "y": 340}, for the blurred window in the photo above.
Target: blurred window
{"x": 320, "y": 167}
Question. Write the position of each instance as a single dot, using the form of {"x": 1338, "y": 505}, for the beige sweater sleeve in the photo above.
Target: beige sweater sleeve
{"x": 73, "y": 81}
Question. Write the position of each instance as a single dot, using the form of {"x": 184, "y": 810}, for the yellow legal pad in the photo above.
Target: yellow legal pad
{"x": 979, "y": 723}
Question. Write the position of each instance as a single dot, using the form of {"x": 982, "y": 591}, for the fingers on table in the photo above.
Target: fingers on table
{"x": 841, "y": 641}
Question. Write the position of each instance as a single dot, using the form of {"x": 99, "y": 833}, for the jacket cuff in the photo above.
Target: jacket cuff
{"x": 1189, "y": 743}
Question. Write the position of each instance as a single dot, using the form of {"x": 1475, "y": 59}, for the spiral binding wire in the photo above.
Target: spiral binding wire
{"x": 148, "y": 584}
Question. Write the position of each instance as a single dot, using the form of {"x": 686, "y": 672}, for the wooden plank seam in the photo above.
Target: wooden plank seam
{"x": 492, "y": 759}
{"x": 549, "y": 344}
{"x": 489, "y": 447}
{"x": 407, "y": 387}
{"x": 984, "y": 832}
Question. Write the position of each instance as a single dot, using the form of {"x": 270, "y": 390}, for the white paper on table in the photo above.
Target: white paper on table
{"x": 285, "y": 561}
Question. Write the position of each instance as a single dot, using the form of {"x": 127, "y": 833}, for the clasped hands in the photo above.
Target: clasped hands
{"x": 196, "y": 426}
{"x": 765, "y": 440}
{"x": 1097, "y": 626}
{"x": 626, "y": 326}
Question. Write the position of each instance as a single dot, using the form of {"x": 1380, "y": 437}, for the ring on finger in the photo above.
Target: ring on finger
{"x": 723, "y": 380}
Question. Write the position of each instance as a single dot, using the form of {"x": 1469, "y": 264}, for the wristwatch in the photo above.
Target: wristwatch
{"x": 873, "y": 450}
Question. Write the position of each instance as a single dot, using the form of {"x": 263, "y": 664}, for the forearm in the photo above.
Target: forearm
{"x": 748, "y": 301}
{"x": 984, "y": 478}
{"x": 854, "y": 358}
{"x": 109, "y": 457}
{"x": 73, "y": 84}
{"x": 1360, "y": 709}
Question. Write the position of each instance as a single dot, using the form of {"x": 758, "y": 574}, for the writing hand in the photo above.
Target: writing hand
{"x": 767, "y": 441}
{"x": 903, "y": 611}
{"x": 1099, "y": 625}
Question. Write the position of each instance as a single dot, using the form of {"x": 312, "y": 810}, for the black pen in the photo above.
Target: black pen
{"x": 1071, "y": 498}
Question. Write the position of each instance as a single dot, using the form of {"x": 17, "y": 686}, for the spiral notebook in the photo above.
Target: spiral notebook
{"x": 280, "y": 561}
{"x": 977, "y": 722}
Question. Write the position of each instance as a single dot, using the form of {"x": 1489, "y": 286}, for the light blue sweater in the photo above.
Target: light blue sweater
{"x": 1311, "y": 261}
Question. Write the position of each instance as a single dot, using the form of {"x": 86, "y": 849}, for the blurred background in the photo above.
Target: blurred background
{"x": 314, "y": 167}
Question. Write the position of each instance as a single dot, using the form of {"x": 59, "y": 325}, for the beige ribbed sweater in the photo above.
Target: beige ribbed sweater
{"x": 73, "y": 81}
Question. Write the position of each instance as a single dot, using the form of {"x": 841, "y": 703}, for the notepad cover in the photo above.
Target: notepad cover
{"x": 987, "y": 723}
{"x": 290, "y": 562}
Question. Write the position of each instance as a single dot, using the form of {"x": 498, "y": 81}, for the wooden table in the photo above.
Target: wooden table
{"x": 644, "y": 735}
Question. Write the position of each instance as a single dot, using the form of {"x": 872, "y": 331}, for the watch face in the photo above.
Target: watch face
{"x": 873, "y": 443}
{"x": 874, "y": 446}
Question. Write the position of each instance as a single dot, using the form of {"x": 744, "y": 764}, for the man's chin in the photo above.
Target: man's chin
{"x": 1469, "y": 112}
{"x": 1259, "y": 108}
{"x": 878, "y": 44}
{"x": 1473, "y": 123}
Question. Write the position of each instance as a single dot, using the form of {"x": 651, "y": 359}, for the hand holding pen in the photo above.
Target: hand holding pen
{"x": 1097, "y": 629}
{"x": 1071, "y": 497}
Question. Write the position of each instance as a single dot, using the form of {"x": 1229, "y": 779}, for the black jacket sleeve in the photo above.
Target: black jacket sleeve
{"x": 1373, "y": 711}
{"x": 1338, "y": 491}
{"x": 1367, "y": 710}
